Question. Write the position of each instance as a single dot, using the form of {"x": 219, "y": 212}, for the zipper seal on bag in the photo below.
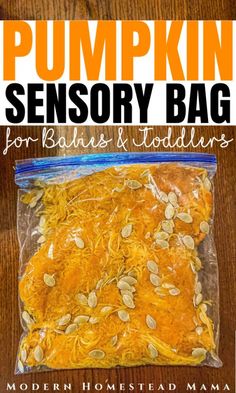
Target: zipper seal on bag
{"x": 29, "y": 169}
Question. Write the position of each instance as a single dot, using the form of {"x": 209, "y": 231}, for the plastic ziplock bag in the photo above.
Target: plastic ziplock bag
{"x": 117, "y": 261}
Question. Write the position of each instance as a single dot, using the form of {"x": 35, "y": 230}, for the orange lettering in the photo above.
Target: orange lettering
{"x": 167, "y": 47}
{"x": 42, "y": 50}
{"x": 129, "y": 50}
{"x": 192, "y": 50}
{"x": 212, "y": 49}
{"x": 11, "y": 50}
{"x": 105, "y": 38}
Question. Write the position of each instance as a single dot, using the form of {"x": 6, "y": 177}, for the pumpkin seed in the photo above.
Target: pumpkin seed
{"x": 188, "y": 242}
{"x": 82, "y": 299}
{"x": 117, "y": 189}
{"x": 20, "y": 366}
{"x": 152, "y": 351}
{"x": 199, "y": 330}
{"x": 204, "y": 227}
{"x": 114, "y": 340}
{"x": 81, "y": 319}
{"x": 174, "y": 291}
{"x": 185, "y": 217}
{"x": 169, "y": 211}
{"x": 97, "y": 354}
{"x": 130, "y": 280}
{"x": 155, "y": 280}
{"x": 145, "y": 173}
{"x": 123, "y": 315}
{"x": 198, "y": 288}
{"x": 106, "y": 309}
{"x": 198, "y": 299}
{"x": 163, "y": 196}
{"x": 123, "y": 285}
{"x": 39, "y": 183}
{"x": 92, "y": 300}
{"x": 203, "y": 307}
{"x": 162, "y": 243}
{"x": 27, "y": 318}
{"x": 41, "y": 239}
{"x": 197, "y": 352}
{"x": 152, "y": 267}
{"x": 38, "y": 354}
{"x": 159, "y": 291}
{"x": 167, "y": 226}
{"x": 126, "y": 292}
{"x": 79, "y": 242}
{"x": 49, "y": 280}
{"x": 23, "y": 355}
{"x": 167, "y": 285}
{"x": 39, "y": 195}
{"x": 161, "y": 235}
{"x": 134, "y": 184}
{"x": 42, "y": 221}
{"x": 150, "y": 321}
{"x": 196, "y": 194}
{"x": 33, "y": 203}
{"x": 197, "y": 263}
{"x": 132, "y": 274}
{"x": 99, "y": 283}
{"x": 192, "y": 267}
{"x": 207, "y": 184}
{"x": 202, "y": 317}
{"x": 172, "y": 197}
{"x": 71, "y": 328}
{"x": 128, "y": 301}
{"x": 93, "y": 320}
{"x": 50, "y": 251}
{"x": 64, "y": 320}
{"x": 58, "y": 331}
{"x": 126, "y": 231}
{"x": 39, "y": 209}
{"x": 147, "y": 235}
{"x": 36, "y": 231}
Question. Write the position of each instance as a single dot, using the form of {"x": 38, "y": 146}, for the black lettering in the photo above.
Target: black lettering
{"x": 17, "y": 115}
{"x": 175, "y": 94}
{"x": 34, "y": 102}
{"x": 56, "y": 103}
{"x": 197, "y": 99}
{"x": 81, "y": 105}
{"x": 143, "y": 99}
{"x": 103, "y": 103}
{"x": 216, "y": 103}
{"x": 122, "y": 95}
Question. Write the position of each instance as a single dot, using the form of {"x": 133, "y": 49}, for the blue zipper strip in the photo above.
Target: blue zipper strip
{"x": 47, "y": 168}
{"x": 108, "y": 159}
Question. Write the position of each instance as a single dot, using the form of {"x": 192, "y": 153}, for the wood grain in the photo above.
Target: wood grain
{"x": 10, "y": 329}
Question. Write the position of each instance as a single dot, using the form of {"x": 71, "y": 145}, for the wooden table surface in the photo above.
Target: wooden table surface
{"x": 10, "y": 328}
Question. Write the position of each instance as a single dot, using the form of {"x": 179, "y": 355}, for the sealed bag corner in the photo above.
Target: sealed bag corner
{"x": 117, "y": 249}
